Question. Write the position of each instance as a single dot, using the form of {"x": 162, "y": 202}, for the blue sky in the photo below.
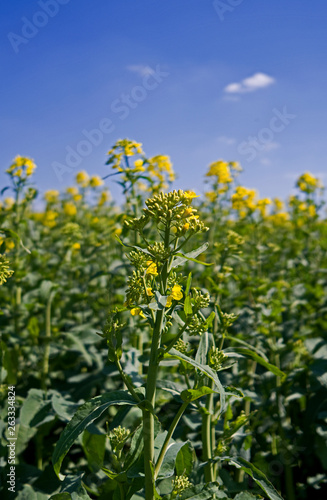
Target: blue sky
{"x": 198, "y": 80}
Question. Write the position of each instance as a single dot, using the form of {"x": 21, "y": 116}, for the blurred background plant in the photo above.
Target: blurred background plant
{"x": 64, "y": 270}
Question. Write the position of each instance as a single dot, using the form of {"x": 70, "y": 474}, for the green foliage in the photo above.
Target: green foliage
{"x": 212, "y": 342}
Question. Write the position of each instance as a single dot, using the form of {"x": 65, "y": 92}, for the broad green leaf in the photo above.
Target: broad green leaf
{"x": 168, "y": 465}
{"x": 188, "y": 284}
{"x": 73, "y": 340}
{"x": 174, "y": 354}
{"x": 258, "y": 476}
{"x": 120, "y": 477}
{"x": 86, "y": 414}
{"x": 205, "y": 344}
{"x": 136, "y": 448}
{"x": 169, "y": 386}
{"x": 181, "y": 258}
{"x": 74, "y": 486}
{"x": 188, "y": 306}
{"x": 246, "y": 495}
{"x": 193, "y": 394}
{"x": 94, "y": 448}
{"x": 27, "y": 493}
{"x": 184, "y": 460}
{"x": 210, "y": 319}
{"x": 60, "y": 496}
{"x": 247, "y": 352}
{"x": 202, "y": 492}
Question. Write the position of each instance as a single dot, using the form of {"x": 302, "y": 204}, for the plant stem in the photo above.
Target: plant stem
{"x": 127, "y": 382}
{"x": 150, "y": 394}
{"x": 169, "y": 435}
{"x": 46, "y": 355}
{"x": 148, "y": 417}
{"x": 209, "y": 469}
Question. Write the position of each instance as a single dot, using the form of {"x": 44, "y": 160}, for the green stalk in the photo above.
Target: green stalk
{"x": 169, "y": 435}
{"x": 150, "y": 394}
{"x": 127, "y": 381}
{"x": 46, "y": 355}
{"x": 148, "y": 417}
{"x": 209, "y": 469}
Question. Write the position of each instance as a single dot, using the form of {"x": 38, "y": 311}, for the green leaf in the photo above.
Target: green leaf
{"x": 202, "y": 492}
{"x": 210, "y": 319}
{"x": 184, "y": 460}
{"x": 174, "y": 354}
{"x": 193, "y": 394}
{"x": 205, "y": 344}
{"x": 74, "y": 486}
{"x": 272, "y": 368}
{"x": 136, "y": 448}
{"x": 181, "y": 258}
{"x": 144, "y": 250}
{"x": 188, "y": 284}
{"x": 258, "y": 476}
{"x": 94, "y": 448}
{"x": 188, "y": 306}
{"x": 85, "y": 415}
{"x": 168, "y": 465}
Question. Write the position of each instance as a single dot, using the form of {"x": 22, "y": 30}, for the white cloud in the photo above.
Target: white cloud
{"x": 140, "y": 69}
{"x": 229, "y": 141}
{"x": 250, "y": 84}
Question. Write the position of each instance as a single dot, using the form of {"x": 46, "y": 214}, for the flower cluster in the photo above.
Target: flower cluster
{"x": 216, "y": 358}
{"x": 243, "y": 200}
{"x": 21, "y": 168}
{"x": 142, "y": 174}
{"x": 118, "y": 437}
{"x": 308, "y": 183}
{"x": 180, "y": 484}
{"x": 5, "y": 272}
{"x": 84, "y": 180}
{"x": 172, "y": 208}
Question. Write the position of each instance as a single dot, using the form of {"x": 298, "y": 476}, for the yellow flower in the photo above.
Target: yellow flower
{"x": 139, "y": 166}
{"x": 51, "y": 195}
{"x": 10, "y": 244}
{"x": 186, "y": 226}
{"x": 169, "y": 301}
{"x": 21, "y": 165}
{"x": 82, "y": 178}
{"x": 221, "y": 170}
{"x": 151, "y": 268}
{"x": 72, "y": 190}
{"x": 96, "y": 181}
{"x": 104, "y": 197}
{"x": 176, "y": 292}
{"x": 278, "y": 204}
{"x": 312, "y": 210}
{"x": 50, "y": 218}
{"x": 137, "y": 311}
{"x": 279, "y": 218}
{"x": 149, "y": 291}
{"x": 9, "y": 202}
{"x": 308, "y": 183}
{"x": 76, "y": 246}
{"x": 262, "y": 205}
{"x": 211, "y": 195}
{"x": 70, "y": 208}
{"x": 190, "y": 195}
